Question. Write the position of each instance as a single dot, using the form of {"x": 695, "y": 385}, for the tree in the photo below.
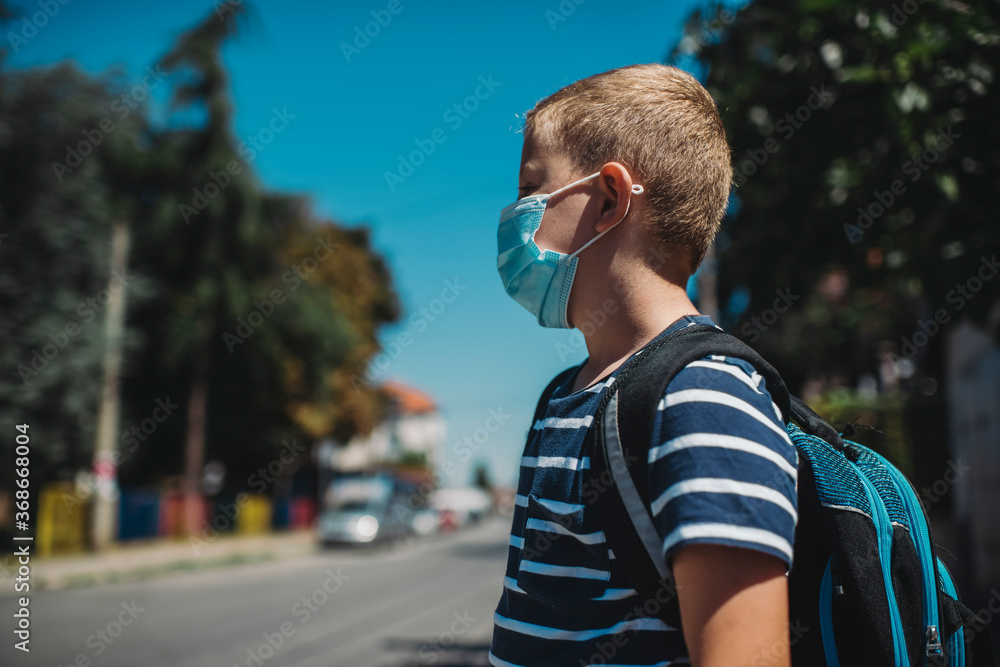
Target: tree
{"x": 267, "y": 308}
{"x": 247, "y": 315}
{"x": 864, "y": 141}
{"x": 64, "y": 187}
{"x": 481, "y": 478}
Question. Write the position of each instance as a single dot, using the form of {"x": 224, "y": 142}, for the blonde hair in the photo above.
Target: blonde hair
{"x": 662, "y": 124}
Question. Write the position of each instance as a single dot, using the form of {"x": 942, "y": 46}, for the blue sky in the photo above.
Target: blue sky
{"x": 355, "y": 114}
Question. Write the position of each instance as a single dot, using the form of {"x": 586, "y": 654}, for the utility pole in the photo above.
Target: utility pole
{"x": 105, "y": 498}
{"x": 194, "y": 446}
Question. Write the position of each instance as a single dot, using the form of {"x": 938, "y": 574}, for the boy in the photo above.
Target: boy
{"x": 637, "y": 158}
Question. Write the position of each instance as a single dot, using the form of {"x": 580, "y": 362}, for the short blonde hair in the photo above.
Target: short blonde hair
{"x": 662, "y": 124}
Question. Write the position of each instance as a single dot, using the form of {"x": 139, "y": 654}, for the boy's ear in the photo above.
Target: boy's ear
{"x": 616, "y": 186}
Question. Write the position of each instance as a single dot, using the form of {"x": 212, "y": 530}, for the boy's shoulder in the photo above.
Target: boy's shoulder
{"x": 713, "y": 368}
{"x": 559, "y": 386}
{"x": 719, "y": 380}
{"x": 722, "y": 380}
{"x": 714, "y": 379}
{"x": 713, "y": 371}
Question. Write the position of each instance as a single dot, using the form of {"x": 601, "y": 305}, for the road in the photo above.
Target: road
{"x": 426, "y": 602}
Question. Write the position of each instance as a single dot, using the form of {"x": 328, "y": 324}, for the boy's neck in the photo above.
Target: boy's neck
{"x": 641, "y": 316}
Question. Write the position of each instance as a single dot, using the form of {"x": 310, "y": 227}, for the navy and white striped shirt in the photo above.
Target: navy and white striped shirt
{"x": 721, "y": 470}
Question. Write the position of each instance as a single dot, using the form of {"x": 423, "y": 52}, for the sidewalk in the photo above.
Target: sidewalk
{"x": 150, "y": 558}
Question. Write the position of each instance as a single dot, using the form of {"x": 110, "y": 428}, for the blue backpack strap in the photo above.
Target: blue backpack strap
{"x": 619, "y": 441}
{"x": 641, "y": 393}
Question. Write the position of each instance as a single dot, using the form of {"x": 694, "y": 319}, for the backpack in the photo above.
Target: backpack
{"x": 866, "y": 586}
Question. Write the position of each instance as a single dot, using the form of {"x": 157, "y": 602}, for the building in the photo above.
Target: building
{"x": 413, "y": 428}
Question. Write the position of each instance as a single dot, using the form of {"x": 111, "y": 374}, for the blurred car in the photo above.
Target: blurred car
{"x": 426, "y": 521}
{"x": 363, "y": 508}
{"x": 461, "y": 505}
{"x": 449, "y": 520}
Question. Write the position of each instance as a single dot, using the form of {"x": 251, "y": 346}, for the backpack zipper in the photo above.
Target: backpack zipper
{"x": 880, "y": 517}
{"x": 826, "y": 616}
{"x": 956, "y": 643}
{"x": 922, "y": 541}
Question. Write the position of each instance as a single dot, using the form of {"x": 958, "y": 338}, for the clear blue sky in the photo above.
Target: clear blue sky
{"x": 354, "y": 119}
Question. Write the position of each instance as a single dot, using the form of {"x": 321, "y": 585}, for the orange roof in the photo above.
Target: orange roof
{"x": 407, "y": 399}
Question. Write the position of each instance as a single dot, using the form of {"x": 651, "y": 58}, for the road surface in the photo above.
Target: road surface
{"x": 423, "y": 603}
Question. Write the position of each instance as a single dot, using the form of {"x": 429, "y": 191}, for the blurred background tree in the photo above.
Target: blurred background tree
{"x": 54, "y": 252}
{"x": 242, "y": 308}
{"x": 895, "y": 78}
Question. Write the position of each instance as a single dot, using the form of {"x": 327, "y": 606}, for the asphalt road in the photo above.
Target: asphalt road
{"x": 425, "y": 602}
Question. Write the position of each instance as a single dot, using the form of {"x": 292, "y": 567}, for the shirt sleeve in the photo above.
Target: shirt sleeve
{"x": 722, "y": 469}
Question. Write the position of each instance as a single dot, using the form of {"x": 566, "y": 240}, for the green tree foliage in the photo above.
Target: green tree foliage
{"x": 242, "y": 306}
{"x": 856, "y": 205}
{"x": 481, "y": 478}
{"x": 898, "y": 77}
{"x": 260, "y": 296}
{"x": 55, "y": 226}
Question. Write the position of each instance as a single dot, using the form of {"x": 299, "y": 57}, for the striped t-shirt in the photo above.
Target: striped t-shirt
{"x": 721, "y": 470}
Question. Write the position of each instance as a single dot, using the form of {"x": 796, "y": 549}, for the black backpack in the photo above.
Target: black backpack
{"x": 866, "y": 587}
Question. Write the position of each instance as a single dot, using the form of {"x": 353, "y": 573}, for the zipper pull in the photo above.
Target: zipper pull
{"x": 935, "y": 656}
{"x": 838, "y": 585}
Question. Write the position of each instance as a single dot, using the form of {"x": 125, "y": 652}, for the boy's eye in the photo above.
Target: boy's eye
{"x": 524, "y": 189}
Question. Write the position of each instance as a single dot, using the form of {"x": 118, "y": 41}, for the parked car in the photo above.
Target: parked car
{"x": 461, "y": 505}
{"x": 364, "y": 508}
{"x": 426, "y": 521}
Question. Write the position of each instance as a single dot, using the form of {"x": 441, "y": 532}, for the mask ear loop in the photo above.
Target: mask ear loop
{"x": 636, "y": 189}
{"x": 567, "y": 187}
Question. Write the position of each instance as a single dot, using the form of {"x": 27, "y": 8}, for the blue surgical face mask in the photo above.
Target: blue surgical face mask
{"x": 540, "y": 280}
